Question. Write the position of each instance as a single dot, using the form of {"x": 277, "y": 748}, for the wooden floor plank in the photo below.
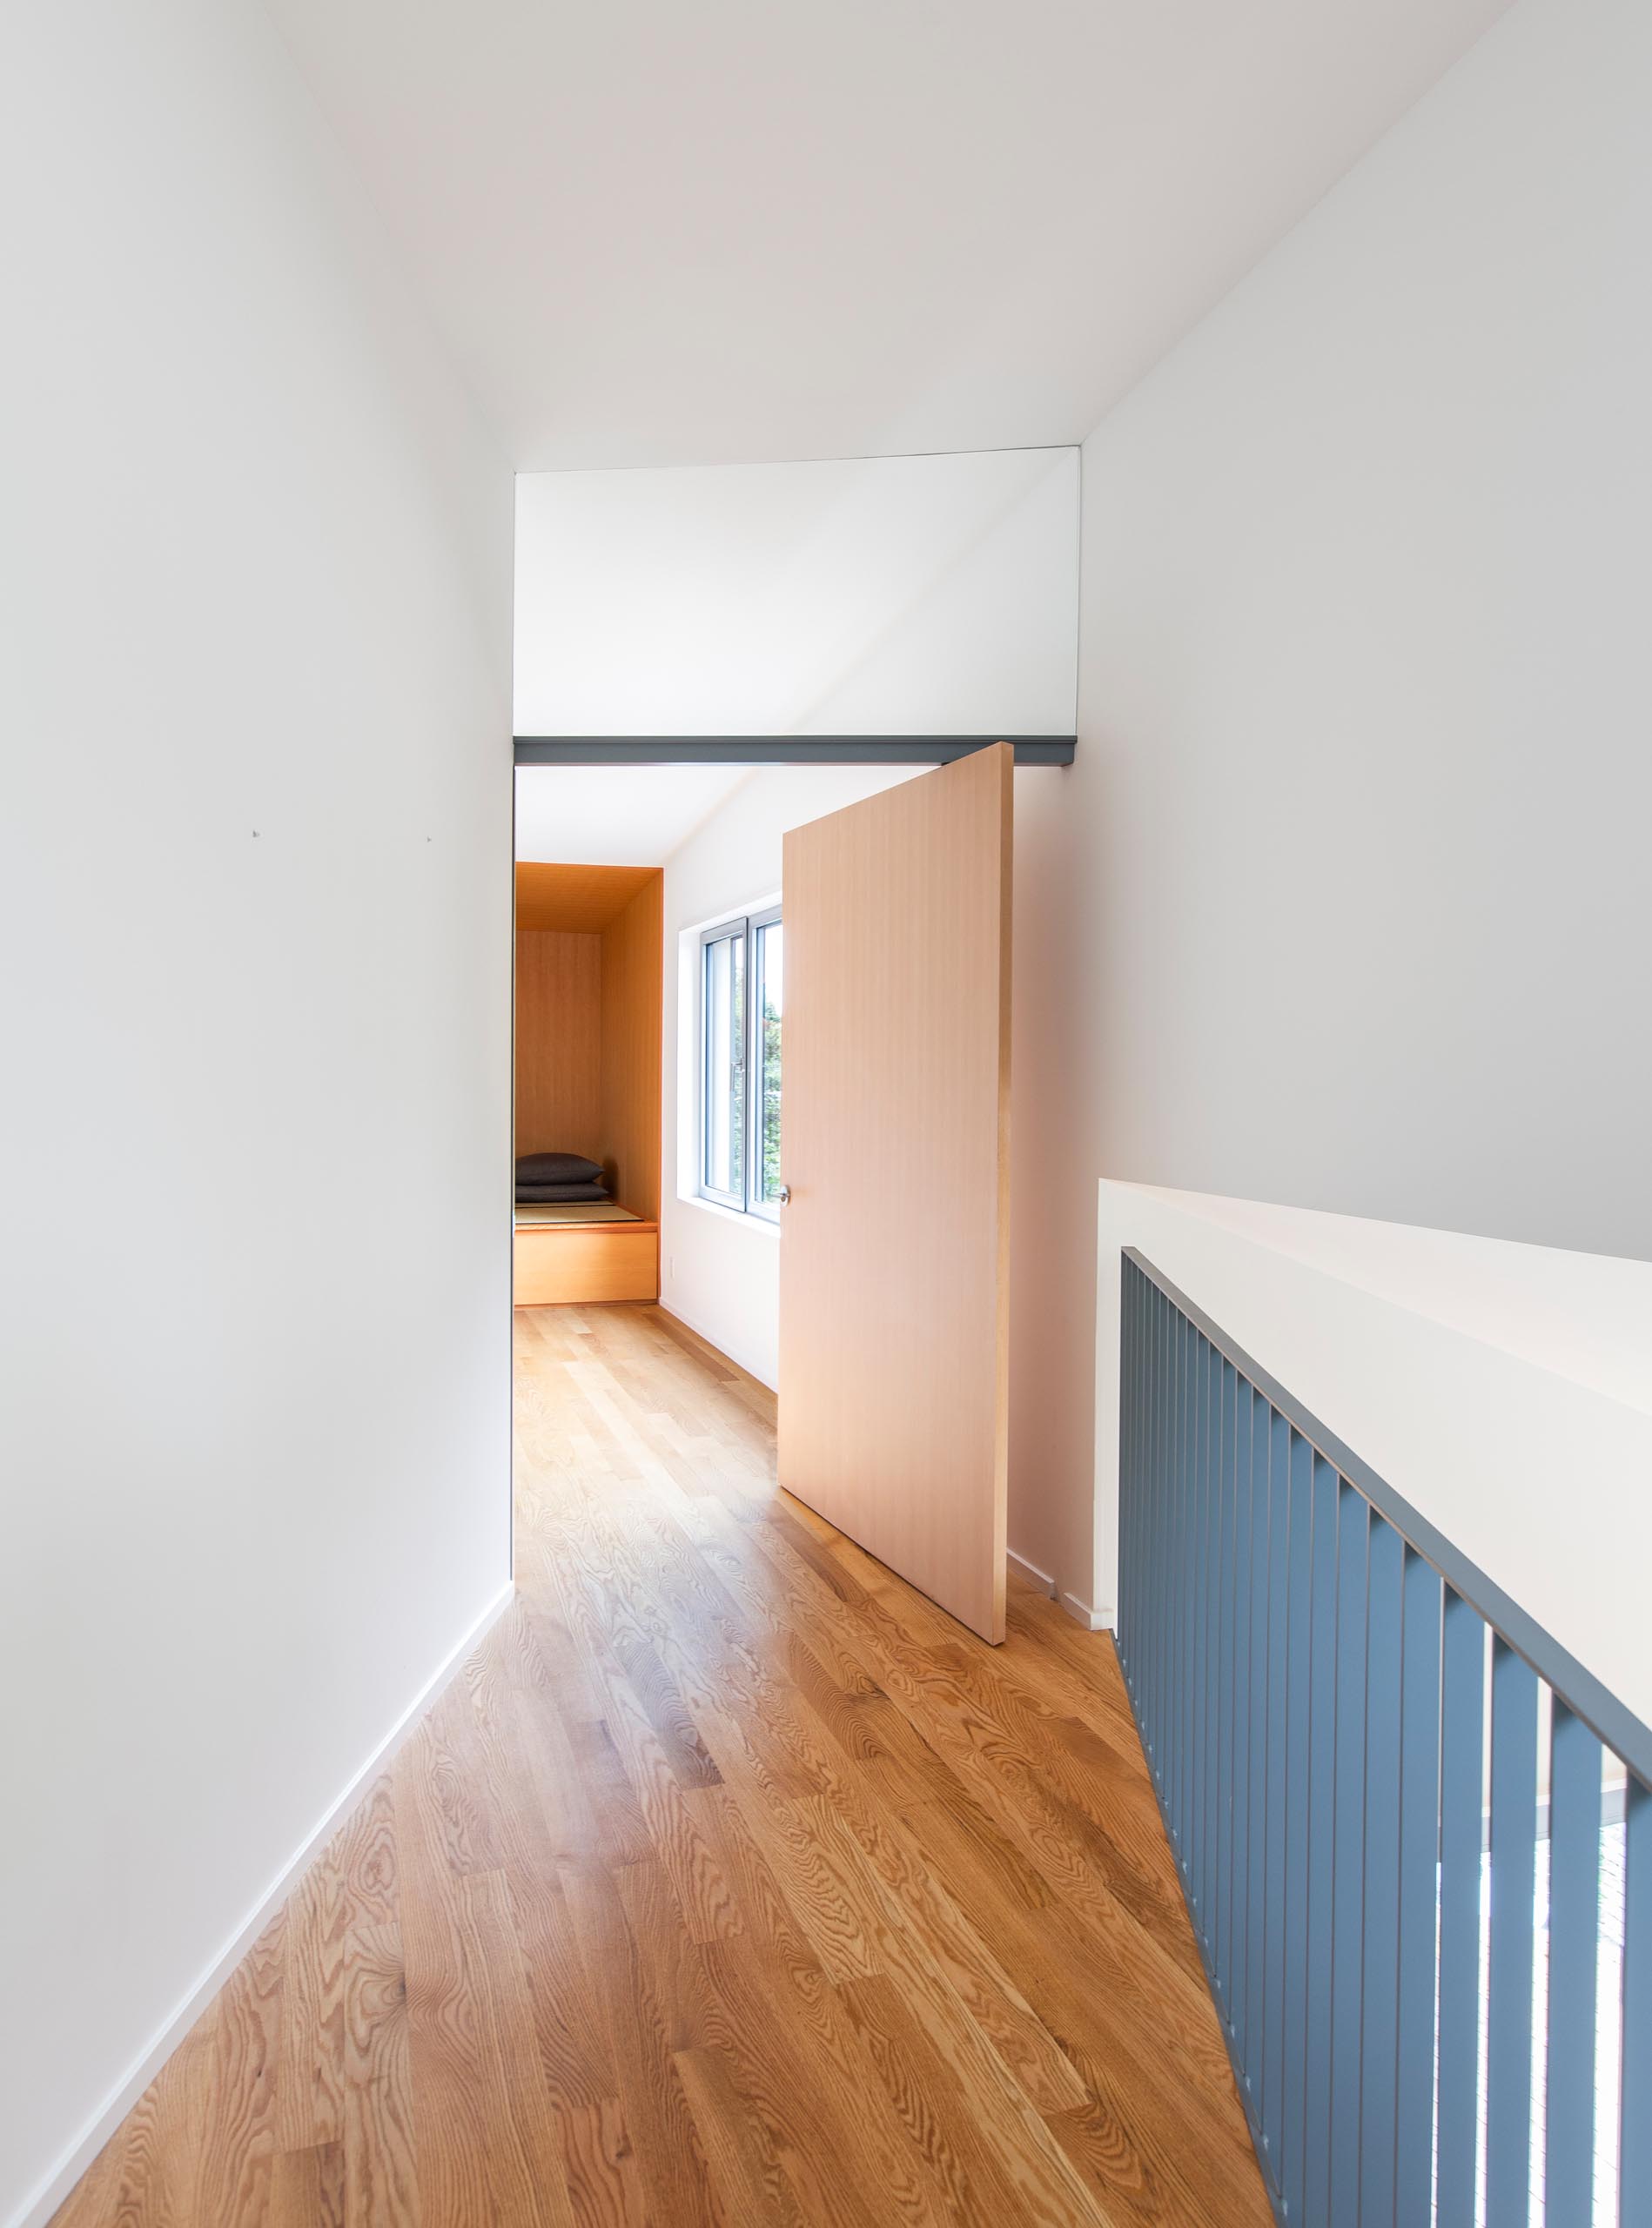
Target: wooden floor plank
{"x": 381, "y": 2172}
{"x": 307, "y": 2188}
{"x": 730, "y": 1882}
{"x": 671, "y": 2162}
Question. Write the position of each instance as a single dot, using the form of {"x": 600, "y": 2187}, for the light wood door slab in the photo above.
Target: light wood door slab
{"x": 894, "y": 1375}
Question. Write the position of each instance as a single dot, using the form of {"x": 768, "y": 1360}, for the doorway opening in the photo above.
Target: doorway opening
{"x": 789, "y": 1130}
{"x": 589, "y": 975}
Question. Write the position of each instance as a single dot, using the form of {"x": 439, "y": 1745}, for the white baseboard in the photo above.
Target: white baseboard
{"x": 1041, "y": 1579}
{"x": 716, "y": 1343}
{"x": 49, "y": 2194}
{"x": 1093, "y": 1621}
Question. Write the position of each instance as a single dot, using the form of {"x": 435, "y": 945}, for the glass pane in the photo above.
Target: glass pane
{"x": 725, "y": 1027}
{"x": 768, "y": 962}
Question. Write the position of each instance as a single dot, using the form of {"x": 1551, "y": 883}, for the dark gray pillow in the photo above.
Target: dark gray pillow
{"x": 544, "y": 1194}
{"x": 557, "y": 1168}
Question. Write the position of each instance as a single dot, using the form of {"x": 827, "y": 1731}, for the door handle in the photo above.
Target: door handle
{"x": 785, "y": 1195}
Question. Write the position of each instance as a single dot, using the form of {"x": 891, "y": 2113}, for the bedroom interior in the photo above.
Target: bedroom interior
{"x": 589, "y": 973}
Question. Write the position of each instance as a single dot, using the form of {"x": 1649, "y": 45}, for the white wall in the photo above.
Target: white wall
{"x": 893, "y": 595}
{"x": 255, "y": 878}
{"x": 1346, "y": 903}
{"x": 720, "y": 1271}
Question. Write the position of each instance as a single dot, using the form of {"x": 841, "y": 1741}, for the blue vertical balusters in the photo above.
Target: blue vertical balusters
{"x": 1513, "y": 1885}
{"x": 1419, "y": 1891}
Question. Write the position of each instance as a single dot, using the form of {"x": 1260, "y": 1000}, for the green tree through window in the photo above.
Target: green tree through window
{"x": 770, "y": 964}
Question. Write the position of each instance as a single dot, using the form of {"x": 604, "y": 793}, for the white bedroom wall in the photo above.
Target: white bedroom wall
{"x": 720, "y": 1271}
{"x": 1345, "y": 903}
{"x": 255, "y": 875}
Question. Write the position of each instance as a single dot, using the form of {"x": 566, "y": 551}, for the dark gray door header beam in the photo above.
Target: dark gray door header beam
{"x": 782, "y": 749}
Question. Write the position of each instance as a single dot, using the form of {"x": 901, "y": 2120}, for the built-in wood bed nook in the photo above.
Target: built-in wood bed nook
{"x": 590, "y": 970}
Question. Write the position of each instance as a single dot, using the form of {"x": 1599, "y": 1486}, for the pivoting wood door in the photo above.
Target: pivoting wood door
{"x": 894, "y": 1363}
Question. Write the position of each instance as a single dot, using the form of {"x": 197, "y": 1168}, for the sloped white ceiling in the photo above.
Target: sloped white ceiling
{"x": 887, "y": 595}
{"x": 664, "y": 231}
{"x": 615, "y": 815}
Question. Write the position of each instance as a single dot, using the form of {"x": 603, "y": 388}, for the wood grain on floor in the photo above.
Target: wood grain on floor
{"x": 730, "y": 1881}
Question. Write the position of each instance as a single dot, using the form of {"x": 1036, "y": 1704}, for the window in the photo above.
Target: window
{"x": 741, "y": 974}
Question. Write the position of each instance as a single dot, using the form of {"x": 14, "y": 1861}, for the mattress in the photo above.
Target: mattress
{"x": 532, "y": 1217}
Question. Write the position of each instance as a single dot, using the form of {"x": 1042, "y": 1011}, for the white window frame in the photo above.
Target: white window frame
{"x": 755, "y": 1203}
{"x": 742, "y": 928}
